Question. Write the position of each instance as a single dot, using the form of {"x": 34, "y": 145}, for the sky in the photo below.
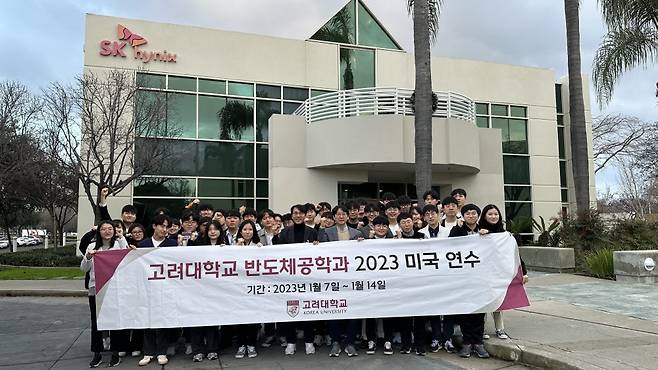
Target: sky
{"x": 43, "y": 39}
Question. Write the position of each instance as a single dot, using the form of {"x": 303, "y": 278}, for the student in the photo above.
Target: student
{"x": 190, "y": 223}
{"x": 232, "y": 224}
{"x": 247, "y": 234}
{"x": 206, "y": 210}
{"x": 297, "y": 233}
{"x": 155, "y": 340}
{"x": 353, "y": 215}
{"x": 342, "y": 231}
{"x": 417, "y": 215}
{"x": 431, "y": 197}
{"x": 392, "y": 212}
{"x": 405, "y": 203}
{"x": 205, "y": 339}
{"x": 278, "y": 223}
{"x": 128, "y": 212}
{"x": 250, "y": 214}
{"x": 492, "y": 222}
{"x": 267, "y": 231}
{"x": 450, "y": 211}
{"x": 386, "y": 197}
{"x": 174, "y": 229}
{"x": 472, "y": 325}
{"x": 433, "y": 229}
{"x": 286, "y": 220}
{"x": 311, "y": 217}
{"x": 327, "y": 220}
{"x": 323, "y": 207}
{"x": 105, "y": 239}
{"x": 460, "y": 195}
{"x": 219, "y": 217}
{"x": 135, "y": 337}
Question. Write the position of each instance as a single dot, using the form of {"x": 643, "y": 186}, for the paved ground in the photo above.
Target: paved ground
{"x": 53, "y": 333}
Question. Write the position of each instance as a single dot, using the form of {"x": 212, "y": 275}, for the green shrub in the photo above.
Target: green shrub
{"x": 599, "y": 263}
{"x": 634, "y": 235}
{"x": 60, "y": 257}
{"x": 585, "y": 233}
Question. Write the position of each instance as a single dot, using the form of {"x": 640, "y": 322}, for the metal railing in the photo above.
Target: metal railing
{"x": 381, "y": 100}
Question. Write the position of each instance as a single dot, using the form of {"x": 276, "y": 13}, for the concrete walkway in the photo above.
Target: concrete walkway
{"x": 574, "y": 322}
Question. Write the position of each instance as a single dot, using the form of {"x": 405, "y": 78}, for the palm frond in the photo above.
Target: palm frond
{"x": 434, "y": 15}
{"x": 629, "y": 13}
{"x": 620, "y": 51}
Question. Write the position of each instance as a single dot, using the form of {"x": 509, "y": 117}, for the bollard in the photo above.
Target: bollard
{"x": 45, "y": 242}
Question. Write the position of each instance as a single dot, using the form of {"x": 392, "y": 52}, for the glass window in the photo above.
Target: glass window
{"x": 226, "y": 188}
{"x": 212, "y": 86}
{"x": 315, "y": 93}
{"x": 560, "y": 120}
{"x": 518, "y": 193}
{"x": 150, "y": 80}
{"x": 220, "y": 159}
{"x": 180, "y": 156}
{"x": 340, "y": 28}
{"x": 262, "y": 161}
{"x": 268, "y": 91}
{"x": 357, "y": 68}
{"x": 237, "y": 120}
{"x": 210, "y": 109}
{"x": 261, "y": 188}
{"x": 146, "y": 207}
{"x": 290, "y": 108}
{"x": 563, "y": 174}
{"x": 367, "y": 190}
{"x": 371, "y": 33}
{"x": 264, "y": 110}
{"x": 518, "y": 137}
{"x": 481, "y": 108}
{"x": 229, "y": 203}
{"x": 560, "y": 141}
{"x": 516, "y": 170}
{"x": 165, "y": 186}
{"x": 295, "y": 93}
{"x": 181, "y": 115}
{"x": 518, "y": 111}
{"x": 503, "y": 125}
{"x": 150, "y": 111}
{"x": 482, "y": 121}
{"x": 261, "y": 204}
{"x": 558, "y": 98}
{"x": 520, "y": 212}
{"x": 241, "y": 89}
{"x": 182, "y": 83}
{"x": 498, "y": 110}
{"x": 564, "y": 194}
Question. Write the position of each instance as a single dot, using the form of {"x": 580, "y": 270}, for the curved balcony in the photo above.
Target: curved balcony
{"x": 381, "y": 100}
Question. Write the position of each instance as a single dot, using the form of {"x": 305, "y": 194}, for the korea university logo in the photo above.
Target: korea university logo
{"x": 127, "y": 37}
{"x": 293, "y": 308}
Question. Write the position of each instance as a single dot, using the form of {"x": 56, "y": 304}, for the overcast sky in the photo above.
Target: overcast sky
{"x": 42, "y": 40}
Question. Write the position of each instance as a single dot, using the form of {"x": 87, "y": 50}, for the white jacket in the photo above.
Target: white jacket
{"x": 87, "y": 264}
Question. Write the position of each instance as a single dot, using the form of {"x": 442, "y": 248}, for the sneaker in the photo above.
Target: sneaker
{"x": 291, "y": 348}
{"x": 267, "y": 342}
{"x": 163, "y": 360}
{"x": 435, "y": 346}
{"x": 479, "y": 350}
{"x": 145, "y": 361}
{"x": 405, "y": 350}
{"x": 212, "y": 356}
{"x": 242, "y": 350}
{"x": 486, "y": 336}
{"x": 388, "y": 348}
{"x": 465, "y": 352}
{"x": 420, "y": 350}
{"x": 198, "y": 357}
{"x": 335, "y": 350}
{"x": 449, "y": 347}
{"x": 283, "y": 341}
{"x": 188, "y": 349}
{"x": 106, "y": 343}
{"x": 96, "y": 360}
{"x": 122, "y": 354}
{"x": 135, "y": 353}
{"x": 501, "y": 334}
{"x": 350, "y": 350}
{"x": 372, "y": 347}
{"x": 397, "y": 338}
{"x": 310, "y": 348}
{"x": 171, "y": 350}
{"x": 327, "y": 340}
{"x": 251, "y": 352}
{"x": 116, "y": 359}
{"x": 318, "y": 340}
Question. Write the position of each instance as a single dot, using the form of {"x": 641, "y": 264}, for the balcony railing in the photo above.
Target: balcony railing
{"x": 381, "y": 100}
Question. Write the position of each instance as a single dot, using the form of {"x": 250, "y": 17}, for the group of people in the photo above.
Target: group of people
{"x": 201, "y": 224}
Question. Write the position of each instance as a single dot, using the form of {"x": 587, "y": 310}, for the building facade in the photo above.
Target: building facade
{"x": 269, "y": 122}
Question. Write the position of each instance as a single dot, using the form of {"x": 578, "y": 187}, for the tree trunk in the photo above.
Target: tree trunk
{"x": 423, "y": 99}
{"x": 578, "y": 129}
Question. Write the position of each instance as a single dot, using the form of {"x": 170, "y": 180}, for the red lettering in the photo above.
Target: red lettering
{"x": 117, "y": 48}
{"x": 105, "y": 47}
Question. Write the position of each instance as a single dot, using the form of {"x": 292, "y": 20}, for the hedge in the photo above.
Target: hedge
{"x": 59, "y": 257}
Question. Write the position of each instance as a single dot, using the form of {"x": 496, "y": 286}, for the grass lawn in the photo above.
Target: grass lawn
{"x": 40, "y": 273}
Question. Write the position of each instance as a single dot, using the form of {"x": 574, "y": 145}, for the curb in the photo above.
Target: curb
{"x": 515, "y": 352}
{"x": 42, "y": 293}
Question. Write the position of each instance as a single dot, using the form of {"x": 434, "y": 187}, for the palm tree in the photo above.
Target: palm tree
{"x": 426, "y": 26}
{"x": 631, "y": 41}
{"x": 579, "y": 155}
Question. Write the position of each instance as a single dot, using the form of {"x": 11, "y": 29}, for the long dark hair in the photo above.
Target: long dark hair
{"x": 205, "y": 239}
{"x": 99, "y": 239}
{"x": 484, "y": 224}
{"x": 254, "y": 239}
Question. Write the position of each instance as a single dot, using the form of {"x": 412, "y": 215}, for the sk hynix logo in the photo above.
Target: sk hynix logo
{"x": 116, "y": 48}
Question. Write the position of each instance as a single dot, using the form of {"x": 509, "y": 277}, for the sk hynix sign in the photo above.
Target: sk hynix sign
{"x": 127, "y": 37}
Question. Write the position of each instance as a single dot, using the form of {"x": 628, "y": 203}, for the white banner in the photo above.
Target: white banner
{"x": 204, "y": 286}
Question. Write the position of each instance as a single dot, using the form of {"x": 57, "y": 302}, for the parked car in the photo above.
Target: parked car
{"x": 4, "y": 243}
{"x": 26, "y": 240}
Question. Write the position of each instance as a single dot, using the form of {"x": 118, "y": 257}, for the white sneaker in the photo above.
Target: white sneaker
{"x": 241, "y": 352}
{"x": 251, "y": 352}
{"x": 486, "y": 336}
{"x": 188, "y": 349}
{"x": 136, "y": 353}
{"x": 501, "y": 334}
{"x": 145, "y": 361}
{"x": 122, "y": 354}
{"x": 291, "y": 348}
{"x": 310, "y": 349}
{"x": 163, "y": 360}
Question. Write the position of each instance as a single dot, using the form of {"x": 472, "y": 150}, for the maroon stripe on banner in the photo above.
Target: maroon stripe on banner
{"x": 516, "y": 296}
{"x": 105, "y": 263}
